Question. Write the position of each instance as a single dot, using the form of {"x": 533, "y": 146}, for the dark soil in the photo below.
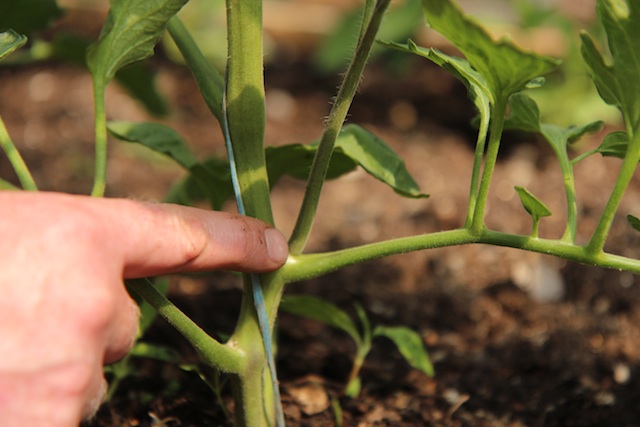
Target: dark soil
{"x": 517, "y": 339}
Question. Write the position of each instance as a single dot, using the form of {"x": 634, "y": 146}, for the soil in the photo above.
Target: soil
{"x": 516, "y": 339}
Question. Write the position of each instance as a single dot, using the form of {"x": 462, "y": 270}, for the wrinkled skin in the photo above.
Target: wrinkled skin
{"x": 64, "y": 311}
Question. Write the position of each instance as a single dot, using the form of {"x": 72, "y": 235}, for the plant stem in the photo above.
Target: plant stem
{"x": 308, "y": 266}
{"x": 629, "y": 165}
{"x": 245, "y": 104}
{"x": 332, "y": 128}
{"x": 16, "y": 160}
{"x": 477, "y": 165}
{"x": 495, "y": 135}
{"x": 100, "y": 175}
{"x": 571, "y": 231}
{"x": 223, "y": 357}
{"x": 209, "y": 80}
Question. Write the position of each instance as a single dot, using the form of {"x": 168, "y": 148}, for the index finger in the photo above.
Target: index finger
{"x": 163, "y": 238}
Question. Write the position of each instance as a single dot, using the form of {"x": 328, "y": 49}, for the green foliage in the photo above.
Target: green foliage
{"x": 158, "y": 137}
{"x": 506, "y": 68}
{"x": 27, "y": 16}
{"x": 533, "y": 206}
{"x": 10, "y": 41}
{"x": 129, "y": 35}
{"x": 617, "y": 81}
{"x": 615, "y": 144}
{"x": 408, "y": 342}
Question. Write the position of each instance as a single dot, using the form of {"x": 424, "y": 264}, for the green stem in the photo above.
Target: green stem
{"x": 583, "y": 156}
{"x": 477, "y": 165}
{"x": 495, "y": 135}
{"x": 245, "y": 104}
{"x": 16, "y": 160}
{"x": 303, "y": 267}
{"x": 571, "y": 231}
{"x": 225, "y": 358}
{"x": 629, "y": 165}
{"x": 536, "y": 227}
{"x": 100, "y": 175}
{"x": 332, "y": 128}
{"x": 209, "y": 80}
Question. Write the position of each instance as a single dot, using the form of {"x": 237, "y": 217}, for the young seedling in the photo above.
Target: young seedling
{"x": 408, "y": 342}
{"x": 496, "y": 73}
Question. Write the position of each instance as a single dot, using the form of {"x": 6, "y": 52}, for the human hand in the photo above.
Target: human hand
{"x": 64, "y": 311}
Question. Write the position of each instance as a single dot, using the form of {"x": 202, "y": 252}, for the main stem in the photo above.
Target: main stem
{"x": 256, "y": 388}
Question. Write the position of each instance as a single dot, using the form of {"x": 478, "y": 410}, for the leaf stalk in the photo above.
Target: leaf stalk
{"x": 333, "y": 125}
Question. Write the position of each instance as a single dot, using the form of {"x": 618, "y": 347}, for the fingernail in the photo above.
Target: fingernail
{"x": 276, "y": 245}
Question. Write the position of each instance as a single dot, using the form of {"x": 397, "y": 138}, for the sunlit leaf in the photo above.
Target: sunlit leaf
{"x": 409, "y": 344}
{"x": 10, "y": 41}
{"x": 617, "y": 77}
{"x": 506, "y": 68}
{"x": 532, "y": 204}
{"x": 130, "y": 33}
{"x": 321, "y": 311}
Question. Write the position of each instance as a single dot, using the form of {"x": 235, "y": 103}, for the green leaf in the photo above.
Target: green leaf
{"x": 10, "y": 41}
{"x": 615, "y": 144}
{"x": 525, "y": 116}
{"x": 27, "y": 16}
{"x": 130, "y": 33}
{"x": 355, "y": 147}
{"x": 506, "y": 68}
{"x": 321, "y": 311}
{"x": 409, "y": 344}
{"x": 158, "y": 137}
{"x": 532, "y": 204}
{"x": 378, "y": 159}
{"x": 634, "y": 221}
{"x": 617, "y": 80}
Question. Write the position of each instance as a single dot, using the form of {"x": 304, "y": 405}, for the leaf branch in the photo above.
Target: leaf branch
{"x": 333, "y": 125}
